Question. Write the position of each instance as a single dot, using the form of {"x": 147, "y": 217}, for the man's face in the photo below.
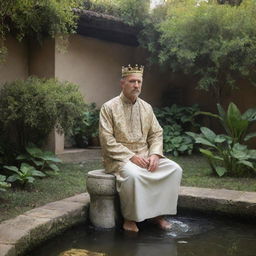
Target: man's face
{"x": 131, "y": 86}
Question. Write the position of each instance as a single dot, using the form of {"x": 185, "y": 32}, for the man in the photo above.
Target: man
{"x": 132, "y": 144}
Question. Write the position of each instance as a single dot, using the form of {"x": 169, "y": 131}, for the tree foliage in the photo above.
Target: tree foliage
{"x": 215, "y": 43}
{"x": 32, "y": 18}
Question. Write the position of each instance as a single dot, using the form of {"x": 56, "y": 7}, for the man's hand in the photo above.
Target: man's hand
{"x": 153, "y": 163}
{"x": 140, "y": 161}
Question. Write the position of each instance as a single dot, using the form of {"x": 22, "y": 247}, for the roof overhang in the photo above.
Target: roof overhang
{"x": 106, "y": 27}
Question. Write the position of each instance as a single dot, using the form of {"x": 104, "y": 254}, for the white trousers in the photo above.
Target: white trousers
{"x": 145, "y": 194}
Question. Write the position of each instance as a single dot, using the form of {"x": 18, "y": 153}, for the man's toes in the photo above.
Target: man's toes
{"x": 130, "y": 226}
{"x": 164, "y": 224}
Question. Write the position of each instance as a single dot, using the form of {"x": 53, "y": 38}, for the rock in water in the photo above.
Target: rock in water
{"x": 81, "y": 252}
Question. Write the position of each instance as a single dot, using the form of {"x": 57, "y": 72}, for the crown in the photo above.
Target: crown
{"x": 130, "y": 70}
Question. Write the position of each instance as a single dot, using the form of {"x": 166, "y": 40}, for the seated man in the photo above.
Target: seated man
{"x": 132, "y": 146}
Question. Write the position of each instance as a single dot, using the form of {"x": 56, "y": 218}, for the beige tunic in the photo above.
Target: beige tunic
{"x": 127, "y": 129}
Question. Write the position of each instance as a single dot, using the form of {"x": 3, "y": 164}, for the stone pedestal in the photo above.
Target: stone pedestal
{"x": 103, "y": 211}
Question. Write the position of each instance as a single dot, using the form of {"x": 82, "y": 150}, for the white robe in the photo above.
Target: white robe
{"x": 145, "y": 194}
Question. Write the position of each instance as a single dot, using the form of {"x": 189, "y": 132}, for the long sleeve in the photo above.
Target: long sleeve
{"x": 111, "y": 148}
{"x": 155, "y": 138}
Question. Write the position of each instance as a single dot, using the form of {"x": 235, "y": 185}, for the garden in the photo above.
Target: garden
{"x": 213, "y": 41}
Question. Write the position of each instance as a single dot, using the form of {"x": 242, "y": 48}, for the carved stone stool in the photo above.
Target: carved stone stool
{"x": 103, "y": 211}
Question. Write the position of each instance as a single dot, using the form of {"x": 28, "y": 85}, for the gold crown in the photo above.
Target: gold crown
{"x": 130, "y": 70}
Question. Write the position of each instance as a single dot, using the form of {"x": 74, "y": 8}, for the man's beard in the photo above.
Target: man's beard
{"x": 136, "y": 92}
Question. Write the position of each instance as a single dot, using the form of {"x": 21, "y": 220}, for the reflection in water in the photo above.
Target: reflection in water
{"x": 81, "y": 252}
{"x": 188, "y": 237}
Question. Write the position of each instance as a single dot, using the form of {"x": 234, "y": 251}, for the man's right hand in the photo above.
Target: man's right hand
{"x": 140, "y": 161}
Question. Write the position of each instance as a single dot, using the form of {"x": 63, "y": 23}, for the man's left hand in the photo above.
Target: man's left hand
{"x": 153, "y": 163}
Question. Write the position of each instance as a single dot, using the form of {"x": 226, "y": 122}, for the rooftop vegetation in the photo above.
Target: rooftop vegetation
{"x": 37, "y": 19}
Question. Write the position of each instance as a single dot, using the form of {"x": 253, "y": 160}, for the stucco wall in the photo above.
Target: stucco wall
{"x": 15, "y": 65}
{"x": 95, "y": 65}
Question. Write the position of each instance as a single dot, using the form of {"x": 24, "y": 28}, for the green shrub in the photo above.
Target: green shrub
{"x": 225, "y": 152}
{"x": 176, "y": 141}
{"x": 236, "y": 125}
{"x": 176, "y": 120}
{"x": 225, "y": 157}
{"x": 31, "y": 108}
{"x": 87, "y": 126}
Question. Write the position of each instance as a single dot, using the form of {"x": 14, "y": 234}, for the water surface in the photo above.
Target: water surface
{"x": 190, "y": 236}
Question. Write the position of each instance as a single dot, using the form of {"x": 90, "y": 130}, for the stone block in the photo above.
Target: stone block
{"x": 223, "y": 201}
{"x": 7, "y": 250}
{"x": 103, "y": 211}
{"x": 18, "y": 231}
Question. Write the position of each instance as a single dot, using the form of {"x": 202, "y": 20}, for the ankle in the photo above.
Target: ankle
{"x": 130, "y": 225}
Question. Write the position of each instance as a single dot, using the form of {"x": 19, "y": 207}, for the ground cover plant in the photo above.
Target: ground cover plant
{"x": 44, "y": 161}
{"x": 23, "y": 175}
{"x": 72, "y": 180}
{"x": 3, "y": 183}
{"x": 35, "y": 163}
{"x": 176, "y": 120}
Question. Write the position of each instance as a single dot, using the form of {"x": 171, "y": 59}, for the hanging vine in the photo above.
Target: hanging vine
{"x": 37, "y": 19}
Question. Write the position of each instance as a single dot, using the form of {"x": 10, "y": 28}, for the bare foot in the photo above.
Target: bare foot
{"x": 162, "y": 223}
{"x": 130, "y": 226}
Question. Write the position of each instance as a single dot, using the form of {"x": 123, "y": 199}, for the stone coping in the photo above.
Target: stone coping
{"x": 222, "y": 201}
{"x": 32, "y": 227}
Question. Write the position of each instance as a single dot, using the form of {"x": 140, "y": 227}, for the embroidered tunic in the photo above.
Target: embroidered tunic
{"x": 127, "y": 129}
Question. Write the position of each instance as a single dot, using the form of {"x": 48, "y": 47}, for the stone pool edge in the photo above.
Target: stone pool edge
{"x": 221, "y": 201}
{"x": 39, "y": 224}
{"x": 31, "y": 228}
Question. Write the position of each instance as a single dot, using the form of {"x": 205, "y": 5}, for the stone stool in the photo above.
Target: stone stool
{"x": 103, "y": 211}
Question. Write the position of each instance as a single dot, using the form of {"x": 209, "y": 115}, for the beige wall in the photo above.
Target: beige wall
{"x": 15, "y": 65}
{"x": 95, "y": 65}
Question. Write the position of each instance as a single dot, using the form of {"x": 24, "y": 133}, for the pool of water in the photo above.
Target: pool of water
{"x": 190, "y": 236}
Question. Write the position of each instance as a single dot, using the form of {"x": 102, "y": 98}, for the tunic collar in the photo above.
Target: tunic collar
{"x": 126, "y": 100}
